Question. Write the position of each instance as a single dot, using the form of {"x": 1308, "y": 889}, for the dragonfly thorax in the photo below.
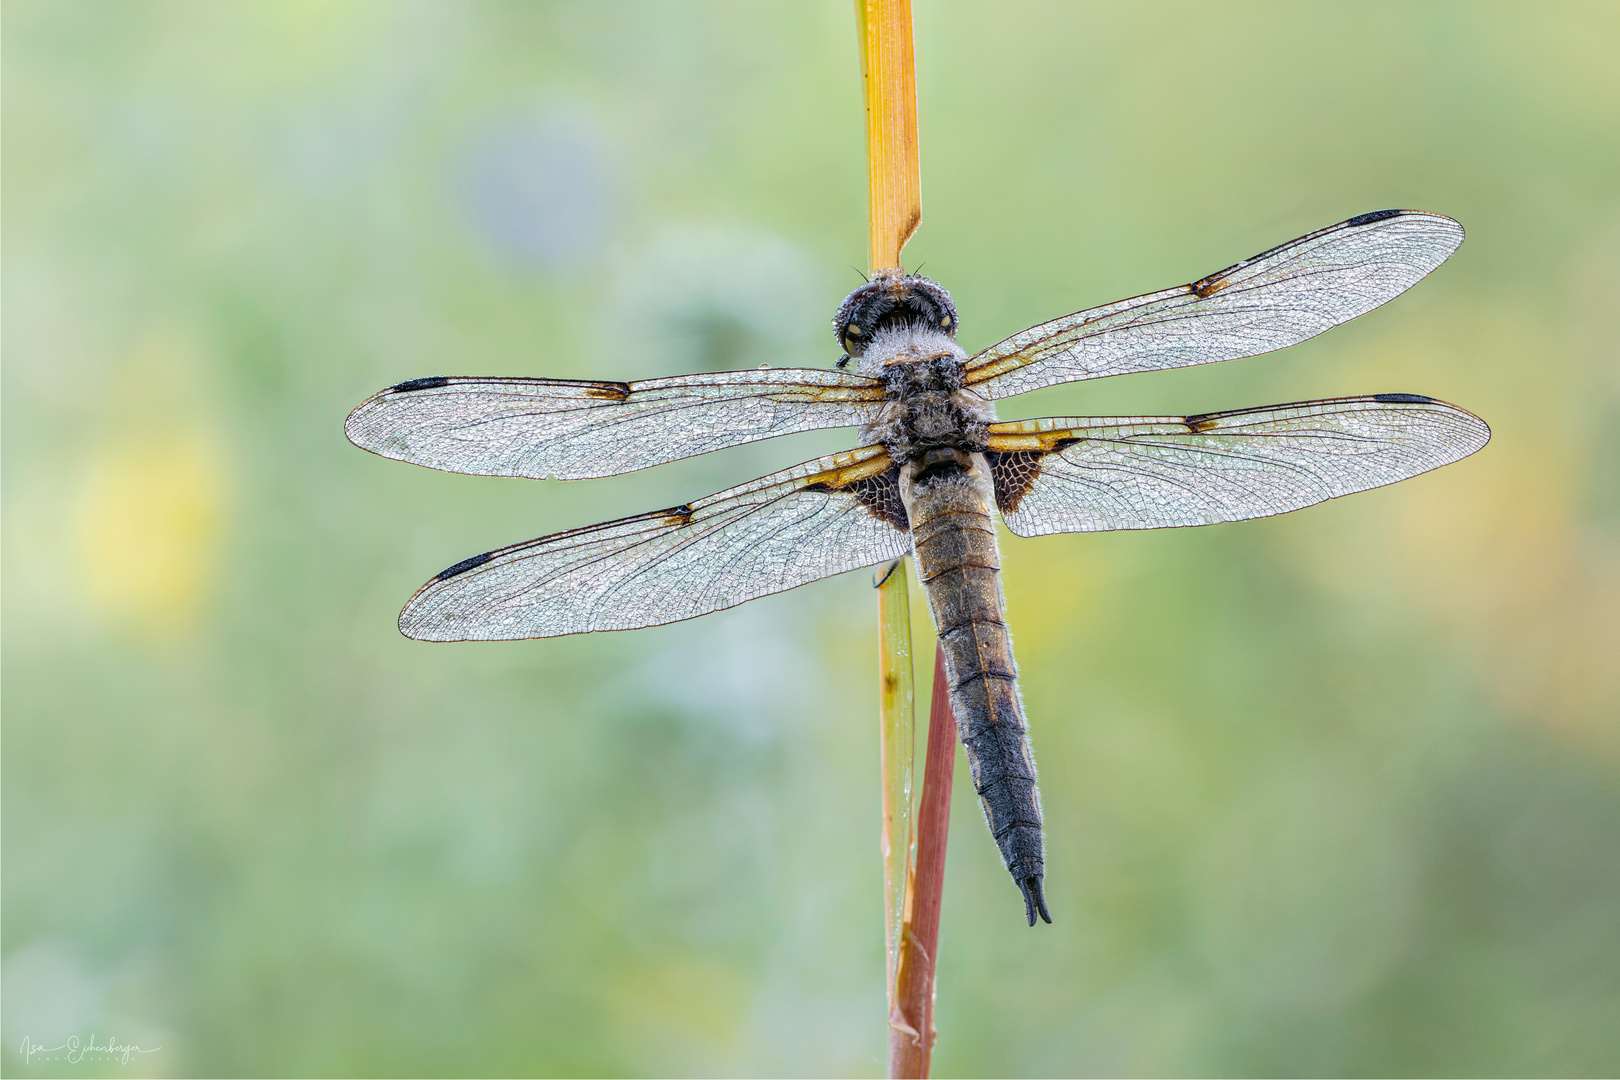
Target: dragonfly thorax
{"x": 927, "y": 406}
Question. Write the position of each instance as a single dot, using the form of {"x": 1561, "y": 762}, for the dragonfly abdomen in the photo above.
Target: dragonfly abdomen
{"x": 948, "y": 499}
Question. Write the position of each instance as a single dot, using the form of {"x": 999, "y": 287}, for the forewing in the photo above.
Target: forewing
{"x": 1278, "y": 298}
{"x": 572, "y": 429}
{"x": 1093, "y": 475}
{"x": 821, "y": 518}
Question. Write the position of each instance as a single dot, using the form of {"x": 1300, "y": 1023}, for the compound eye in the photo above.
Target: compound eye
{"x": 945, "y": 322}
{"x": 852, "y": 330}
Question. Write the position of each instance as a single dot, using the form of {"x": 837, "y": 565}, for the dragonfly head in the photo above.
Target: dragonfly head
{"x": 891, "y": 300}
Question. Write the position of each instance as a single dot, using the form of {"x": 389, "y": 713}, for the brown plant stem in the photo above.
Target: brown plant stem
{"x": 911, "y": 1014}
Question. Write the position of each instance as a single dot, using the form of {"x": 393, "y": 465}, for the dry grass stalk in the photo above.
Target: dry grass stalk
{"x": 912, "y": 886}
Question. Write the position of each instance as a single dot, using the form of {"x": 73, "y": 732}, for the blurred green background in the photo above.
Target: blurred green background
{"x": 1336, "y": 793}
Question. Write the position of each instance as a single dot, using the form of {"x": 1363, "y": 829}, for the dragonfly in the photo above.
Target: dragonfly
{"x": 933, "y": 467}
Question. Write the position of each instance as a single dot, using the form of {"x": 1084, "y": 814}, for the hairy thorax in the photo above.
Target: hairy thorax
{"x": 926, "y": 407}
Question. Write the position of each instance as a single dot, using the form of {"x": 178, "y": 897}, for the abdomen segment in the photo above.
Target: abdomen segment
{"x": 948, "y": 499}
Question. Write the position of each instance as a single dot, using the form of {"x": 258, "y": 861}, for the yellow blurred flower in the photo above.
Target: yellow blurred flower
{"x": 149, "y": 527}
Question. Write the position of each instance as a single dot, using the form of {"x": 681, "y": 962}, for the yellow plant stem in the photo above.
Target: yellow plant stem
{"x": 893, "y": 185}
{"x": 893, "y": 173}
{"x": 912, "y": 899}
{"x": 898, "y": 735}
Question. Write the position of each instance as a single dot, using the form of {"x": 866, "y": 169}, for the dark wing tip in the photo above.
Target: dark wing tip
{"x": 463, "y": 566}
{"x": 1034, "y": 899}
{"x": 1373, "y": 218}
{"x": 431, "y": 382}
{"x": 1403, "y": 399}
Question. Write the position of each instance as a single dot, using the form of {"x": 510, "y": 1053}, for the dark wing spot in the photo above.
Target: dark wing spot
{"x": 1201, "y": 423}
{"x": 1375, "y": 216}
{"x": 1403, "y": 399}
{"x": 463, "y": 566}
{"x": 879, "y": 494}
{"x": 1205, "y": 288}
{"x": 677, "y": 516}
{"x": 608, "y": 391}
{"x": 432, "y": 382}
{"x": 1013, "y": 473}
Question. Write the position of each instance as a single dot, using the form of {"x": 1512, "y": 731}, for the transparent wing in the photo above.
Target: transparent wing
{"x": 821, "y": 518}
{"x": 1093, "y": 475}
{"x": 572, "y": 429}
{"x": 1278, "y": 298}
